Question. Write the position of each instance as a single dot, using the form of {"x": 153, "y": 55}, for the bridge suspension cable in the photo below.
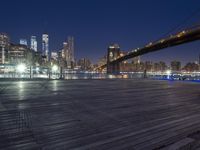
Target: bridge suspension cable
{"x": 183, "y": 22}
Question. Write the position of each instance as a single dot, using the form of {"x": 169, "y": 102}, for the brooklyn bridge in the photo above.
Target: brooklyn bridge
{"x": 113, "y": 54}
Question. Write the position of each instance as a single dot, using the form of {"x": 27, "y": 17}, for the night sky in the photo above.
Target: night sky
{"x": 97, "y": 23}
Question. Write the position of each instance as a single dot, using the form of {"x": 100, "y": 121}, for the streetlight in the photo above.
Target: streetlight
{"x": 168, "y": 72}
{"x": 21, "y": 68}
{"x": 37, "y": 69}
{"x": 55, "y": 68}
{"x": 54, "y": 71}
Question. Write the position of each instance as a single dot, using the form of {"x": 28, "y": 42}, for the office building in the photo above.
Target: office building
{"x": 191, "y": 67}
{"x": 54, "y": 55}
{"x": 34, "y": 43}
{"x": 84, "y": 64}
{"x": 102, "y": 61}
{"x": 23, "y": 42}
{"x": 199, "y": 59}
{"x": 71, "y": 47}
{"x": 136, "y": 60}
{"x": 4, "y": 47}
{"x": 176, "y": 66}
{"x": 19, "y": 54}
{"x": 68, "y": 52}
{"x": 45, "y": 46}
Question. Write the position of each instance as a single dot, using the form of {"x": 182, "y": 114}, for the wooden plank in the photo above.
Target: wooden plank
{"x": 98, "y": 114}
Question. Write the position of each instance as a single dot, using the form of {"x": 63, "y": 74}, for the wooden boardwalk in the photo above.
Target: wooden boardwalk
{"x": 98, "y": 114}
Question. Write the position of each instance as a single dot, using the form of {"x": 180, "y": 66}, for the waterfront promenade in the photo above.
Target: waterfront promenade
{"x": 99, "y": 114}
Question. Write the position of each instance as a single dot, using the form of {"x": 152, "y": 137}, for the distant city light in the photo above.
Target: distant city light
{"x": 55, "y": 68}
{"x": 21, "y": 68}
{"x": 168, "y": 72}
{"x": 37, "y": 69}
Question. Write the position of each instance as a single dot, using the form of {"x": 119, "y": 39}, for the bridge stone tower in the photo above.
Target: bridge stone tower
{"x": 113, "y": 54}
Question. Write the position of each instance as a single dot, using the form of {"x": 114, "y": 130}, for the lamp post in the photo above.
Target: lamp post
{"x": 30, "y": 71}
{"x": 3, "y": 54}
{"x": 61, "y": 73}
{"x": 54, "y": 69}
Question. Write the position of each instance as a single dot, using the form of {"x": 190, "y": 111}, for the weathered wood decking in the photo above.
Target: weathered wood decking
{"x": 98, "y": 114}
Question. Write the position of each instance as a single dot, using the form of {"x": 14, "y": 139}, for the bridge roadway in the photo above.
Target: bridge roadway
{"x": 182, "y": 37}
{"x": 98, "y": 114}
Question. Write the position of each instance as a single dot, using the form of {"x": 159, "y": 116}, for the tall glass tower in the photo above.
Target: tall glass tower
{"x": 45, "y": 45}
{"x": 71, "y": 47}
{"x": 34, "y": 43}
{"x": 68, "y": 52}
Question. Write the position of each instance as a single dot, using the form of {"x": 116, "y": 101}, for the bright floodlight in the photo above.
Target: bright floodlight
{"x": 37, "y": 69}
{"x": 21, "y": 68}
{"x": 168, "y": 72}
{"x": 55, "y": 68}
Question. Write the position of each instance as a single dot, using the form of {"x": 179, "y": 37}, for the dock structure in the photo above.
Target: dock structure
{"x": 113, "y": 114}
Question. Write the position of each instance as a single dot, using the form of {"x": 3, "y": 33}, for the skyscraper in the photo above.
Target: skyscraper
{"x": 45, "y": 46}
{"x": 176, "y": 66}
{"x": 136, "y": 60}
{"x": 71, "y": 47}
{"x": 34, "y": 43}
{"x": 4, "y": 46}
{"x": 68, "y": 52}
{"x": 84, "y": 63}
{"x": 23, "y": 42}
{"x": 199, "y": 59}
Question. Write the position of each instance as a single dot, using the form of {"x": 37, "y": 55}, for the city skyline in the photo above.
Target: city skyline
{"x": 100, "y": 74}
{"x": 110, "y": 22}
{"x": 68, "y": 51}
